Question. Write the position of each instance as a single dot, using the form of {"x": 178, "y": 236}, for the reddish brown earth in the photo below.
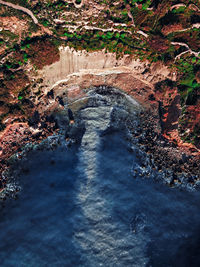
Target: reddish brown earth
{"x": 191, "y": 122}
{"x": 159, "y": 44}
{"x": 191, "y": 38}
{"x": 15, "y": 85}
{"x": 14, "y": 25}
{"x": 170, "y": 114}
{"x": 167, "y": 29}
{"x": 42, "y": 53}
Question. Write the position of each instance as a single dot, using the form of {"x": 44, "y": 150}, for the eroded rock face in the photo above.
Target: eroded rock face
{"x": 78, "y": 70}
{"x": 83, "y": 62}
{"x": 68, "y": 80}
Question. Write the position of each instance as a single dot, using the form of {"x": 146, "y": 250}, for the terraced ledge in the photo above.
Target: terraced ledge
{"x": 191, "y": 6}
{"x": 25, "y": 10}
{"x": 73, "y": 28}
{"x": 196, "y": 54}
{"x": 196, "y": 25}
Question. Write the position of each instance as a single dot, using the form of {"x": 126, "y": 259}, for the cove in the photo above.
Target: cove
{"x": 69, "y": 215}
{"x": 84, "y": 204}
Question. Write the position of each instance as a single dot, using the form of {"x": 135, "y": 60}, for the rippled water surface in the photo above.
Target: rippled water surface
{"x": 81, "y": 206}
{"x": 78, "y": 210}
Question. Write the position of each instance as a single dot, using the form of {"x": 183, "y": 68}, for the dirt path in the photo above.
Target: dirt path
{"x": 191, "y": 6}
{"x": 25, "y": 10}
{"x": 196, "y": 54}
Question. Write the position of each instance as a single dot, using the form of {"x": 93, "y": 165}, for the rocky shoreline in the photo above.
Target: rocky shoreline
{"x": 178, "y": 166}
{"x": 17, "y": 136}
{"x": 174, "y": 165}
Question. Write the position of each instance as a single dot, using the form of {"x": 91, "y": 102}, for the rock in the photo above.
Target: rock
{"x": 151, "y": 97}
{"x": 50, "y": 94}
{"x": 184, "y": 158}
{"x": 70, "y": 114}
{"x": 60, "y": 100}
{"x": 34, "y": 120}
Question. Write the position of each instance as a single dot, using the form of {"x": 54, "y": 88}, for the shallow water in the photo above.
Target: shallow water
{"x": 74, "y": 213}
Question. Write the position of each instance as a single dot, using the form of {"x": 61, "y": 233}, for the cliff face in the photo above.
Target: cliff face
{"x": 72, "y": 61}
{"x": 149, "y": 49}
{"x": 80, "y": 62}
{"x": 153, "y": 86}
{"x": 138, "y": 33}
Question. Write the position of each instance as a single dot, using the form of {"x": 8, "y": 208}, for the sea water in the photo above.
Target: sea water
{"x": 82, "y": 206}
{"x": 70, "y": 215}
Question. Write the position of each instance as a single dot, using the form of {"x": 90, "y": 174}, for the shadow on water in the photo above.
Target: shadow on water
{"x": 191, "y": 245}
{"x": 80, "y": 208}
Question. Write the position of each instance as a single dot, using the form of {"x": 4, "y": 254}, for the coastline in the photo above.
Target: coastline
{"x": 175, "y": 165}
{"x": 68, "y": 80}
{"x": 99, "y": 133}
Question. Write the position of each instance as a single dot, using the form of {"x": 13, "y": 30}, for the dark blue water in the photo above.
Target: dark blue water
{"x": 80, "y": 206}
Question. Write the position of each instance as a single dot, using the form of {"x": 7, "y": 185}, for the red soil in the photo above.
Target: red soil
{"x": 42, "y": 53}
